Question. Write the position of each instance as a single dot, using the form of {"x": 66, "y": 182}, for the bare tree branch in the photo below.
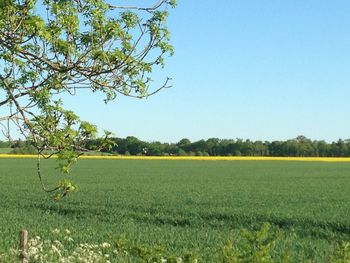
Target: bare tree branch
{"x": 151, "y": 8}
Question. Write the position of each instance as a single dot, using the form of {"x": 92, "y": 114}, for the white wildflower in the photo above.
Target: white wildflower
{"x": 55, "y": 231}
{"x": 58, "y": 243}
{"x": 33, "y": 250}
{"x": 105, "y": 245}
{"x": 69, "y": 239}
{"x": 33, "y": 242}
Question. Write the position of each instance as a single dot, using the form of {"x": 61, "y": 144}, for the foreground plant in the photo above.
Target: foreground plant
{"x": 54, "y": 48}
{"x": 63, "y": 250}
{"x": 254, "y": 247}
{"x": 248, "y": 247}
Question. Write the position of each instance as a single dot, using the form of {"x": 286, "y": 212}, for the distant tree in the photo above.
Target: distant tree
{"x": 300, "y": 146}
{"x": 119, "y": 145}
{"x": 213, "y": 145}
{"x": 275, "y": 148}
{"x": 305, "y": 147}
{"x": 323, "y": 148}
{"x": 4, "y": 144}
{"x": 347, "y": 143}
{"x": 25, "y": 149}
{"x": 184, "y": 144}
{"x": 190, "y": 153}
{"x": 260, "y": 149}
{"x": 134, "y": 146}
{"x": 173, "y": 149}
{"x": 181, "y": 153}
{"x": 71, "y": 46}
{"x": 198, "y": 146}
{"x": 155, "y": 149}
{"x": 339, "y": 148}
{"x": 247, "y": 148}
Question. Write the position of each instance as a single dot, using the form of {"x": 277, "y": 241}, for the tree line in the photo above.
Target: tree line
{"x": 297, "y": 147}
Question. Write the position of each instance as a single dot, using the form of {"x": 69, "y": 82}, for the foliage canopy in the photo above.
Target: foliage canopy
{"x": 54, "y": 47}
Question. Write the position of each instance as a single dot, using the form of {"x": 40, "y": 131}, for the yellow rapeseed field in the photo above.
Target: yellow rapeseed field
{"x": 200, "y": 158}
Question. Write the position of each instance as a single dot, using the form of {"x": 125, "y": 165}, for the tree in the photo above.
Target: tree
{"x": 133, "y": 145}
{"x": 213, "y": 146}
{"x": 184, "y": 144}
{"x": 4, "y": 144}
{"x": 69, "y": 46}
{"x": 323, "y": 148}
{"x": 154, "y": 149}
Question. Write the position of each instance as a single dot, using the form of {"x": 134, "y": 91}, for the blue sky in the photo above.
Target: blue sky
{"x": 252, "y": 69}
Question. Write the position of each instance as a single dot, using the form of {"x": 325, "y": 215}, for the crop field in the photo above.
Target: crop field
{"x": 184, "y": 205}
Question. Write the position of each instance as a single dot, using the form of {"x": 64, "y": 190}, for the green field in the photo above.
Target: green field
{"x": 184, "y": 206}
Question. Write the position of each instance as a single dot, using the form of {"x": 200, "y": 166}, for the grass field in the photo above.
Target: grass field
{"x": 184, "y": 205}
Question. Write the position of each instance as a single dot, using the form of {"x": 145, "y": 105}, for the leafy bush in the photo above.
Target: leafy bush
{"x": 4, "y": 144}
{"x": 254, "y": 247}
{"x": 342, "y": 254}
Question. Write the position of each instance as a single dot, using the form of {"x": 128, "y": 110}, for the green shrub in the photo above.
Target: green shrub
{"x": 342, "y": 254}
{"x": 251, "y": 246}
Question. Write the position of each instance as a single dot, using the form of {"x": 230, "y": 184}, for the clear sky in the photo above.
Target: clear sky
{"x": 251, "y": 69}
